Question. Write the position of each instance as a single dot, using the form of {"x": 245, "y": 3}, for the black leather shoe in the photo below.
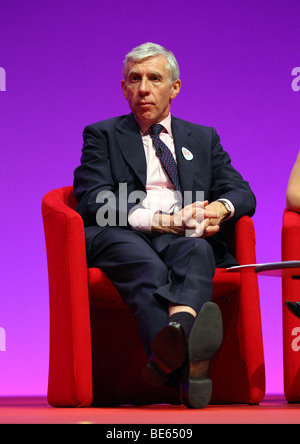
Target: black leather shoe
{"x": 294, "y": 307}
{"x": 168, "y": 354}
{"x": 204, "y": 340}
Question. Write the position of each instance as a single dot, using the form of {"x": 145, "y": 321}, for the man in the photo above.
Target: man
{"x": 153, "y": 191}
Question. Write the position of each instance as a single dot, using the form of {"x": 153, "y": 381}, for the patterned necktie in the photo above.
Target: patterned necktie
{"x": 165, "y": 156}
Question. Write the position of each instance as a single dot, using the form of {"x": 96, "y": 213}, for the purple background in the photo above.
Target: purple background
{"x": 63, "y": 62}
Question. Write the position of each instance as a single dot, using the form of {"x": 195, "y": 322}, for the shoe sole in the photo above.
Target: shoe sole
{"x": 204, "y": 340}
{"x": 169, "y": 353}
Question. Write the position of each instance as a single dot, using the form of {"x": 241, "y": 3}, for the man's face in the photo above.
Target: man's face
{"x": 148, "y": 90}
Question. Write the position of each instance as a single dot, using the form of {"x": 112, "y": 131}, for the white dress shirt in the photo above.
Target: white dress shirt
{"x": 161, "y": 194}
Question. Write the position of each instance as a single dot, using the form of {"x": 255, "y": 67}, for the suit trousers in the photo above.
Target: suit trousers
{"x": 149, "y": 272}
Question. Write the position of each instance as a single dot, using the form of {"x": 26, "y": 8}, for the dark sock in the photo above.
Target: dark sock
{"x": 183, "y": 318}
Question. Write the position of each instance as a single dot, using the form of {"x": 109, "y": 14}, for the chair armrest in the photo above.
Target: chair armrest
{"x": 245, "y": 241}
{"x": 70, "y": 369}
{"x": 242, "y": 241}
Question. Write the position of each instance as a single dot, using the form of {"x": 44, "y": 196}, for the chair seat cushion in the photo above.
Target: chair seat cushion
{"x": 104, "y": 296}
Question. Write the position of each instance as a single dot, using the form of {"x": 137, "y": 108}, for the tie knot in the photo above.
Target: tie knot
{"x": 156, "y": 128}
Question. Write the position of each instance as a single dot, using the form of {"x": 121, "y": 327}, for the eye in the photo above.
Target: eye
{"x": 155, "y": 78}
{"x": 134, "y": 78}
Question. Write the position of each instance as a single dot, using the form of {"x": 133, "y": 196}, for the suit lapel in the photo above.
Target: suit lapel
{"x": 131, "y": 146}
{"x": 183, "y": 139}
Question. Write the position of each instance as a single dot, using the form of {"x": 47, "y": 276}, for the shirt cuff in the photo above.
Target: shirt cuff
{"x": 140, "y": 219}
{"x": 232, "y": 209}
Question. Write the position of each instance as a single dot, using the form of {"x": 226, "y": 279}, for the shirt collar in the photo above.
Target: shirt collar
{"x": 166, "y": 123}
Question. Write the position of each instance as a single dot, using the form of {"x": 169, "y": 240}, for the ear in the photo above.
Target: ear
{"x": 175, "y": 89}
{"x": 123, "y": 84}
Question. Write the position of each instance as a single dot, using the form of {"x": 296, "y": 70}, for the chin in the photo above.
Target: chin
{"x": 145, "y": 117}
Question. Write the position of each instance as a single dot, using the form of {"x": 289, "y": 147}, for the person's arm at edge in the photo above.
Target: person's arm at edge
{"x": 293, "y": 188}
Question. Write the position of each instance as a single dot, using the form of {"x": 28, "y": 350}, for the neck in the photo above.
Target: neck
{"x": 145, "y": 124}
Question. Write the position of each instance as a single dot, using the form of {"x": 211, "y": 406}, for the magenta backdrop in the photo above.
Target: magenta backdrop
{"x": 63, "y": 62}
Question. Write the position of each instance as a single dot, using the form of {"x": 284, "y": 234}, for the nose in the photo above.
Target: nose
{"x": 144, "y": 87}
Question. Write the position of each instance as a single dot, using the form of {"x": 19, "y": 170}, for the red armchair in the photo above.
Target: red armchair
{"x": 91, "y": 360}
{"x": 291, "y": 292}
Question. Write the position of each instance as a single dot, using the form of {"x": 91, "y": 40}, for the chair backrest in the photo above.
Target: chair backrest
{"x": 68, "y": 299}
{"x": 66, "y": 195}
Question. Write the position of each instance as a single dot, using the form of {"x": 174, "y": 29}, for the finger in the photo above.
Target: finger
{"x": 210, "y": 230}
{"x": 198, "y": 232}
{"x": 200, "y": 228}
{"x": 211, "y": 214}
{"x": 204, "y": 211}
{"x": 200, "y": 204}
{"x": 191, "y": 223}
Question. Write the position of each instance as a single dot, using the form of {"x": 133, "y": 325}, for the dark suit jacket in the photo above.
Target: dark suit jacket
{"x": 113, "y": 153}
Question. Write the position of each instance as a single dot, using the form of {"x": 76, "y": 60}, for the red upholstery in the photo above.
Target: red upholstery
{"x": 291, "y": 292}
{"x": 95, "y": 351}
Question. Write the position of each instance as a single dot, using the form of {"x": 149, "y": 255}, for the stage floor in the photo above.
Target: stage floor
{"x": 35, "y": 410}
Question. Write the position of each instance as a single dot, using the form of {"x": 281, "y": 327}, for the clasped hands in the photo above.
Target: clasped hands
{"x": 200, "y": 219}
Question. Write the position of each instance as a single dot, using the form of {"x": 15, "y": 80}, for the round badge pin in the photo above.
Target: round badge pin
{"x": 186, "y": 153}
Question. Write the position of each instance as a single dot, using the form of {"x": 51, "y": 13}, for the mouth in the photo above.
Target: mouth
{"x": 144, "y": 103}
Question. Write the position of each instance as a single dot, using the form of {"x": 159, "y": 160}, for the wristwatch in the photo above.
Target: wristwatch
{"x": 227, "y": 206}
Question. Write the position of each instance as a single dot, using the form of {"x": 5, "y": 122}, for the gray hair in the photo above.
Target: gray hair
{"x": 147, "y": 50}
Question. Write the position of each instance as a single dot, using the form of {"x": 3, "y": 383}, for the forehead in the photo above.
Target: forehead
{"x": 156, "y": 64}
